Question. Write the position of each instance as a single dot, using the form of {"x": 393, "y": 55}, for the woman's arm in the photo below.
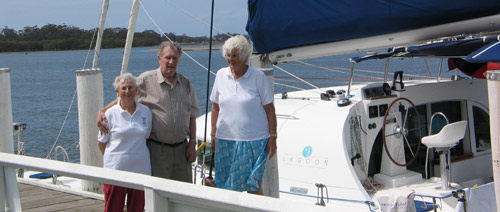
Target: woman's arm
{"x": 215, "y": 116}
{"x": 271, "y": 118}
{"x": 102, "y": 146}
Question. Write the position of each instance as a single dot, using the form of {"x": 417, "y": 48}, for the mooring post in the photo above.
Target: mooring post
{"x": 90, "y": 100}
{"x": 494, "y": 100}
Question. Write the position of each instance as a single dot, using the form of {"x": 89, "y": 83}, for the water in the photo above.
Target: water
{"x": 44, "y": 83}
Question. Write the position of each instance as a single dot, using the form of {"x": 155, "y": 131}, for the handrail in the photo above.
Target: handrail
{"x": 432, "y": 117}
{"x": 161, "y": 194}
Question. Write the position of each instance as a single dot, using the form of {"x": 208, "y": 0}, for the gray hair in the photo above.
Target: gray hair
{"x": 170, "y": 44}
{"x": 237, "y": 42}
{"x": 127, "y": 77}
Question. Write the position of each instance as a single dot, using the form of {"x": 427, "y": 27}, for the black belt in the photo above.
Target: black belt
{"x": 166, "y": 144}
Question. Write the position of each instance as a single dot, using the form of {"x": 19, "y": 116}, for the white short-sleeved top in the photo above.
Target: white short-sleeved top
{"x": 126, "y": 141}
{"x": 241, "y": 105}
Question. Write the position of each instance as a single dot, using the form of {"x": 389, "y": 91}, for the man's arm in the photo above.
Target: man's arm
{"x": 101, "y": 118}
{"x": 191, "y": 150}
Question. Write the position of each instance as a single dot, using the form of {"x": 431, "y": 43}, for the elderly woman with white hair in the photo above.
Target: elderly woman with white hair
{"x": 243, "y": 121}
{"x": 124, "y": 146}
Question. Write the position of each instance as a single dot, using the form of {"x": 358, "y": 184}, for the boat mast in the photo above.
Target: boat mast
{"x": 130, "y": 35}
{"x": 102, "y": 20}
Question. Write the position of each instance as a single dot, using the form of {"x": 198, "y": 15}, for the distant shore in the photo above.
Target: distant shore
{"x": 194, "y": 48}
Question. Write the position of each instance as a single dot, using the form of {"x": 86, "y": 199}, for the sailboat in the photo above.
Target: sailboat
{"x": 356, "y": 147}
{"x": 386, "y": 144}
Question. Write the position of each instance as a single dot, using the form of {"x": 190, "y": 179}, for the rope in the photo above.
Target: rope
{"x": 197, "y": 19}
{"x": 62, "y": 126}
{"x": 298, "y": 78}
{"x": 208, "y": 88}
{"x": 72, "y": 99}
{"x": 347, "y": 70}
{"x": 90, "y": 48}
{"x": 289, "y": 86}
{"x": 427, "y": 66}
{"x": 165, "y": 35}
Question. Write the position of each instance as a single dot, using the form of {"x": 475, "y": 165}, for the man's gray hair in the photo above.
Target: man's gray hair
{"x": 127, "y": 77}
{"x": 170, "y": 44}
{"x": 239, "y": 42}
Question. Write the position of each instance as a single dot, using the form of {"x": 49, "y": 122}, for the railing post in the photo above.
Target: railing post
{"x": 9, "y": 193}
{"x": 3, "y": 191}
{"x": 154, "y": 201}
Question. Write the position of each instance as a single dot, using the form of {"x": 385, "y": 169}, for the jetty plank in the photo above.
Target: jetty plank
{"x": 34, "y": 198}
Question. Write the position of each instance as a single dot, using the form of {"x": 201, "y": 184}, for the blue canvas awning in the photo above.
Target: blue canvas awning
{"x": 474, "y": 50}
{"x": 279, "y": 24}
{"x": 489, "y": 53}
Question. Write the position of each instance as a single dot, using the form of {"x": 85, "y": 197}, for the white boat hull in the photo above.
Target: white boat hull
{"x": 316, "y": 142}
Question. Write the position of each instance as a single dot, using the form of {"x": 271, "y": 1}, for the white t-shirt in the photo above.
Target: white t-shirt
{"x": 241, "y": 105}
{"x": 126, "y": 141}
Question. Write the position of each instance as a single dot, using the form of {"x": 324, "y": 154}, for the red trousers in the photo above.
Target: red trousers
{"x": 114, "y": 199}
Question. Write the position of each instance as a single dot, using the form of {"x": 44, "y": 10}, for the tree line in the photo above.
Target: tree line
{"x": 53, "y": 37}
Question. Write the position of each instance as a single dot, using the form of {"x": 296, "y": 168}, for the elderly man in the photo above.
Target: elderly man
{"x": 172, "y": 101}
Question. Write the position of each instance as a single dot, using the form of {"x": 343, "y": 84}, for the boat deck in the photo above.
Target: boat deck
{"x": 34, "y": 198}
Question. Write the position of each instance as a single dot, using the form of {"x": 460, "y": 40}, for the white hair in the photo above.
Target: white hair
{"x": 127, "y": 77}
{"x": 237, "y": 42}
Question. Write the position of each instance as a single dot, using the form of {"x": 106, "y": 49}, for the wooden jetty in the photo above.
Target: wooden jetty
{"x": 36, "y": 198}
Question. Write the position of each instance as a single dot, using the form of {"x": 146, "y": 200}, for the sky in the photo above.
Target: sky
{"x": 189, "y": 17}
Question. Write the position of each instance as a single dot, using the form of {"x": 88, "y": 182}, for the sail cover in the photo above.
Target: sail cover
{"x": 279, "y": 24}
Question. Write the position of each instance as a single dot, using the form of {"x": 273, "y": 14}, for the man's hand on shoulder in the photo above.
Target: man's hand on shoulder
{"x": 101, "y": 121}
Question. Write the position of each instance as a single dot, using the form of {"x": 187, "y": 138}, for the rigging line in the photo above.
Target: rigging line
{"x": 62, "y": 126}
{"x": 348, "y": 69}
{"x": 342, "y": 72}
{"x": 196, "y": 18}
{"x": 90, "y": 48}
{"x": 71, "y": 141}
{"x": 427, "y": 66}
{"x": 208, "y": 85}
{"x": 289, "y": 86}
{"x": 296, "y": 77}
{"x": 72, "y": 99}
{"x": 163, "y": 33}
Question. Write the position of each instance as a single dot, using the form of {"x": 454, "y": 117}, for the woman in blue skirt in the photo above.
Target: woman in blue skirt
{"x": 243, "y": 121}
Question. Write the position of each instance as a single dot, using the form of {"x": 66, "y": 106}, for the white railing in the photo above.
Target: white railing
{"x": 161, "y": 194}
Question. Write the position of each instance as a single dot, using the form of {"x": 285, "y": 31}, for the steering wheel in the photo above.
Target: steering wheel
{"x": 405, "y": 124}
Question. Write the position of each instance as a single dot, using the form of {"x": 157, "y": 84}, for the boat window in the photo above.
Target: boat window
{"x": 419, "y": 164}
{"x": 481, "y": 129}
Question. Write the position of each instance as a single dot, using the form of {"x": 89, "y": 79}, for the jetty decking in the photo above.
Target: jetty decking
{"x": 34, "y": 198}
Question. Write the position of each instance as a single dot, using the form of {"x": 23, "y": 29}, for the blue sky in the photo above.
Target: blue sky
{"x": 230, "y": 15}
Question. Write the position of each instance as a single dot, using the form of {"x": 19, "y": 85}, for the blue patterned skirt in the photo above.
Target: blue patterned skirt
{"x": 240, "y": 165}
